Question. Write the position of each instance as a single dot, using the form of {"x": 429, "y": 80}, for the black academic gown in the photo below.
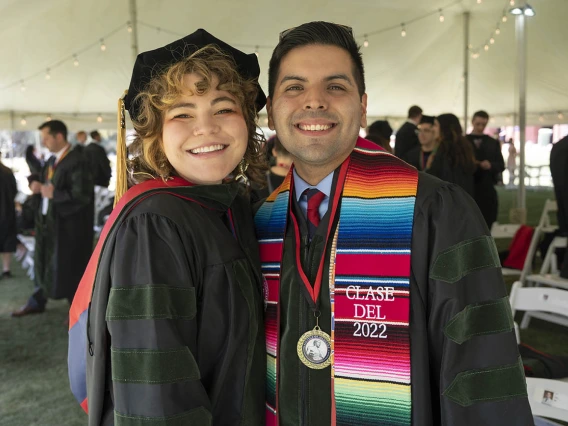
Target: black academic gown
{"x": 99, "y": 163}
{"x": 179, "y": 284}
{"x": 406, "y": 139}
{"x": 8, "y": 229}
{"x": 443, "y": 169}
{"x": 487, "y": 148}
{"x": 456, "y": 288}
{"x": 559, "y": 172}
{"x": 64, "y": 236}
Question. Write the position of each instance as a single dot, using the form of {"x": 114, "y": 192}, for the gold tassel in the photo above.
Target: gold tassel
{"x": 121, "y": 154}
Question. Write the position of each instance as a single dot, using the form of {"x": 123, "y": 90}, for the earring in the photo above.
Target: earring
{"x": 241, "y": 176}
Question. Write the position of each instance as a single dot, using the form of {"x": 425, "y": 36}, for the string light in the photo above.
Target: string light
{"x": 512, "y": 2}
{"x": 492, "y": 40}
{"x": 497, "y": 31}
{"x": 99, "y": 119}
{"x": 48, "y": 118}
{"x": 22, "y": 86}
{"x": 560, "y": 116}
{"x": 479, "y": 1}
{"x": 403, "y": 31}
{"x": 541, "y": 118}
{"x": 475, "y": 55}
{"x": 103, "y": 45}
{"x": 366, "y": 42}
{"x": 486, "y": 47}
{"x": 129, "y": 27}
{"x": 47, "y": 74}
{"x": 442, "y": 16}
{"x": 23, "y": 121}
{"x": 504, "y": 18}
{"x": 75, "y": 61}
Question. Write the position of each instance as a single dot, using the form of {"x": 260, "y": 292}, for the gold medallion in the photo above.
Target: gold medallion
{"x": 314, "y": 349}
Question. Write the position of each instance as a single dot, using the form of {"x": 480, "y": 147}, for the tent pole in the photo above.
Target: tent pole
{"x": 13, "y": 131}
{"x": 520, "y": 28}
{"x": 134, "y": 33}
{"x": 466, "y": 18}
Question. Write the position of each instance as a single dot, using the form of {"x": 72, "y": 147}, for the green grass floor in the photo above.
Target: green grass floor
{"x": 34, "y": 388}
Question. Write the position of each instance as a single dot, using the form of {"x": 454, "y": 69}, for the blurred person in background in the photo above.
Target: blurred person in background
{"x": 380, "y": 132}
{"x": 418, "y": 156}
{"x": 406, "y": 138}
{"x": 8, "y": 229}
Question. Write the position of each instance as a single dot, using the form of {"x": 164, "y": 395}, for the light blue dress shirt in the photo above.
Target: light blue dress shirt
{"x": 300, "y": 185}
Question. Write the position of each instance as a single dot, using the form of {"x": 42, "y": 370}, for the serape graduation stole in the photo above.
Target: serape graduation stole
{"x": 369, "y": 288}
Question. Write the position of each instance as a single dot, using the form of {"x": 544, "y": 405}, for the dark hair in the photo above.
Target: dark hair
{"x": 380, "y": 140}
{"x": 414, "y": 111}
{"x": 33, "y": 177}
{"x": 317, "y": 32}
{"x": 95, "y": 134}
{"x": 481, "y": 114}
{"x": 380, "y": 127}
{"x": 454, "y": 144}
{"x": 55, "y": 127}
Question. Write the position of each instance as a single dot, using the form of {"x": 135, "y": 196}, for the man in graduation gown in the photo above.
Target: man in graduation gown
{"x": 399, "y": 282}
{"x": 419, "y": 155}
{"x": 490, "y": 164}
{"x": 64, "y": 221}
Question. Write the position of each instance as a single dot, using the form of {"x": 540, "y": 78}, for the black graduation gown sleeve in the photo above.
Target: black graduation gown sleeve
{"x": 465, "y": 362}
{"x": 151, "y": 317}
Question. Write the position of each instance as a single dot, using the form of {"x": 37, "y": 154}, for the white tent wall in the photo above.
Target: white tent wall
{"x": 424, "y": 68}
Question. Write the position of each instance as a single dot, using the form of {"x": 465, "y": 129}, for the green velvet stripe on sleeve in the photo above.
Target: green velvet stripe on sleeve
{"x": 481, "y": 318}
{"x": 151, "y": 302}
{"x": 488, "y": 385}
{"x": 469, "y": 256}
{"x": 196, "y": 417}
{"x": 153, "y": 366}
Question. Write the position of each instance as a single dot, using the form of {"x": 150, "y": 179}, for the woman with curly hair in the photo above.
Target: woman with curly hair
{"x": 173, "y": 333}
{"x": 453, "y": 160}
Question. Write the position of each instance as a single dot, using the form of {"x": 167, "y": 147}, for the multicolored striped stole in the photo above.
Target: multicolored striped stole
{"x": 369, "y": 289}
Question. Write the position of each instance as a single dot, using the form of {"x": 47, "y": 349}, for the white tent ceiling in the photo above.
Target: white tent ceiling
{"x": 423, "y": 68}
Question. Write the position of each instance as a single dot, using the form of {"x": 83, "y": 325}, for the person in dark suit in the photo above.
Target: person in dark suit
{"x": 559, "y": 172}
{"x": 406, "y": 137}
{"x": 490, "y": 165}
{"x": 418, "y": 156}
{"x": 100, "y": 164}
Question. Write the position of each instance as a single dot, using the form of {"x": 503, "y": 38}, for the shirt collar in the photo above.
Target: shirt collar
{"x": 300, "y": 185}
{"x": 58, "y": 154}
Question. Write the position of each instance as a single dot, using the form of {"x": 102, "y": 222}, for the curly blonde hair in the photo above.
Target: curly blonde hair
{"x": 149, "y": 159}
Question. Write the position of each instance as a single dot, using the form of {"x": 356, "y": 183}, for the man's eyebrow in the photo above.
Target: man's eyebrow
{"x": 344, "y": 77}
{"x": 293, "y": 78}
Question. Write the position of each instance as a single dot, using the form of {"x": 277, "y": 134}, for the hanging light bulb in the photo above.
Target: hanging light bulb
{"x": 129, "y": 27}
{"x": 479, "y": 1}
{"x": 504, "y": 18}
{"x": 508, "y": 118}
{"x": 48, "y": 117}
{"x": 103, "y": 45}
{"x": 492, "y": 40}
{"x": 541, "y": 118}
{"x": 560, "y": 116}
{"x": 470, "y": 46}
{"x": 22, "y": 86}
{"x": 23, "y": 121}
{"x": 442, "y": 19}
{"x": 75, "y": 61}
{"x": 512, "y": 2}
{"x": 47, "y": 74}
{"x": 475, "y": 55}
{"x": 403, "y": 31}
{"x": 99, "y": 119}
{"x": 497, "y": 31}
{"x": 486, "y": 47}
{"x": 366, "y": 42}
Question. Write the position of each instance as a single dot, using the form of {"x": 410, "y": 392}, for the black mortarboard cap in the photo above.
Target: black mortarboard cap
{"x": 427, "y": 119}
{"x": 154, "y": 62}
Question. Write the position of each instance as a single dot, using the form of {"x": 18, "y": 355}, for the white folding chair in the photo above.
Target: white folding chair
{"x": 546, "y": 303}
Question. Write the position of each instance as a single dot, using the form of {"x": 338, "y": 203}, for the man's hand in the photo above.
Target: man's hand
{"x": 35, "y": 187}
{"x": 47, "y": 191}
{"x": 485, "y": 165}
